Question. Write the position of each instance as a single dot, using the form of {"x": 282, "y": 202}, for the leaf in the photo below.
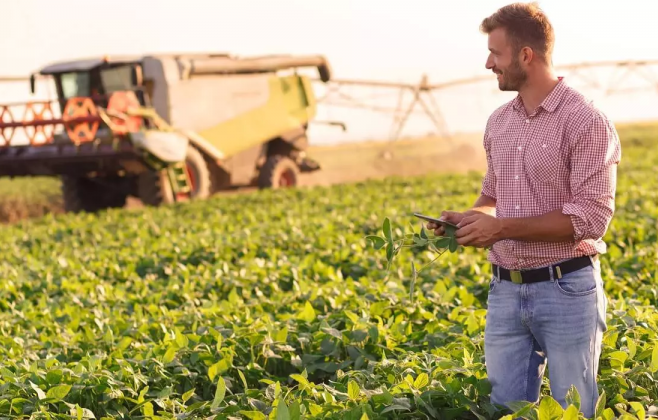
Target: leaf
{"x": 244, "y": 380}
{"x": 213, "y": 370}
{"x": 169, "y": 355}
{"x": 58, "y": 392}
{"x": 308, "y": 313}
{"x": 549, "y": 409}
{"x": 295, "y": 411}
{"x": 573, "y": 397}
{"x": 442, "y": 242}
{"x": 421, "y": 381}
{"x": 39, "y": 391}
{"x": 632, "y": 347}
{"x": 618, "y": 358}
{"x": 181, "y": 339}
{"x": 608, "y": 414}
{"x": 418, "y": 241}
{"x": 638, "y": 409}
{"x": 394, "y": 407}
{"x": 282, "y": 335}
{"x": 353, "y": 389}
{"x": 654, "y": 359}
{"x": 186, "y": 396}
{"x": 253, "y": 414}
{"x": 520, "y": 408}
{"x": 453, "y": 244}
{"x": 386, "y": 228}
{"x": 423, "y": 233}
{"x": 377, "y": 241}
{"x": 282, "y": 412}
{"x": 147, "y": 410}
{"x": 220, "y": 392}
{"x": 571, "y": 413}
{"x": 124, "y": 343}
{"x": 389, "y": 252}
{"x": 600, "y": 404}
{"x": 450, "y": 231}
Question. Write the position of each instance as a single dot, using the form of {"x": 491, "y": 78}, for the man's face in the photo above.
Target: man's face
{"x": 504, "y": 62}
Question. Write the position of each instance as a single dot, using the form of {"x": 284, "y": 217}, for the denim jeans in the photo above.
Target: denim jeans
{"x": 559, "y": 323}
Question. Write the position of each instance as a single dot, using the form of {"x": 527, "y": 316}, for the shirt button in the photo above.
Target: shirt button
{"x": 517, "y": 207}
{"x": 527, "y": 121}
{"x": 519, "y": 147}
{"x": 516, "y": 177}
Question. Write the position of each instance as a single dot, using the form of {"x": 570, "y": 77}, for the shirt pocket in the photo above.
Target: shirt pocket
{"x": 543, "y": 161}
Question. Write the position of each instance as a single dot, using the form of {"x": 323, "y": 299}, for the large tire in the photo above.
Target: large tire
{"x": 154, "y": 189}
{"x": 82, "y": 194}
{"x": 278, "y": 172}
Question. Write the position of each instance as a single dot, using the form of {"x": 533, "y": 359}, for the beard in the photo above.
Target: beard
{"x": 513, "y": 78}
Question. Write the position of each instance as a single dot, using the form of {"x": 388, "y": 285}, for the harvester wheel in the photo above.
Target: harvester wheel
{"x": 278, "y": 172}
{"x": 154, "y": 187}
{"x": 83, "y": 194}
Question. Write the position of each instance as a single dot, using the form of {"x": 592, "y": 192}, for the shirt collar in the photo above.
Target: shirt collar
{"x": 551, "y": 101}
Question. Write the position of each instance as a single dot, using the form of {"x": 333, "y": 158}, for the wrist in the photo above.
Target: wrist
{"x": 503, "y": 229}
{"x": 490, "y": 210}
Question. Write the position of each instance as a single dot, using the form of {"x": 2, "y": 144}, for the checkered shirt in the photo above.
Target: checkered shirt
{"x": 562, "y": 156}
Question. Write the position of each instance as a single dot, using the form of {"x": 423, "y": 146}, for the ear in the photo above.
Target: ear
{"x": 526, "y": 55}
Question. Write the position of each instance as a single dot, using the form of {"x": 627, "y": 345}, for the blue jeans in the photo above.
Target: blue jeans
{"x": 561, "y": 322}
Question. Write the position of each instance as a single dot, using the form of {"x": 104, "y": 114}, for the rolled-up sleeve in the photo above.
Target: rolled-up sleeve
{"x": 489, "y": 181}
{"x": 595, "y": 155}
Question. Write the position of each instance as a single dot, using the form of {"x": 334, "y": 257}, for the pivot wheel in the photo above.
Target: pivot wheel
{"x": 278, "y": 172}
{"x": 155, "y": 189}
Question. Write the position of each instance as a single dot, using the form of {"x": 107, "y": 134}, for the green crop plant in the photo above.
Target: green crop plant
{"x": 416, "y": 241}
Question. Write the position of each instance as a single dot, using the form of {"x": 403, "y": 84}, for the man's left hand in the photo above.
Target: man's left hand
{"x": 479, "y": 230}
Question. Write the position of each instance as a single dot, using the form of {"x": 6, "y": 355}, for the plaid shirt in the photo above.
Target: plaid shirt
{"x": 562, "y": 156}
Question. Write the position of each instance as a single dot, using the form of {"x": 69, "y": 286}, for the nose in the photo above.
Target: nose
{"x": 489, "y": 64}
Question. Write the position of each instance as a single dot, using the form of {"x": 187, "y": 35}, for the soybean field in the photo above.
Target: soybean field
{"x": 274, "y": 305}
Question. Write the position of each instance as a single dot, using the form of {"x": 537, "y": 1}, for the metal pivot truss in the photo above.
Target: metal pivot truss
{"x": 623, "y": 77}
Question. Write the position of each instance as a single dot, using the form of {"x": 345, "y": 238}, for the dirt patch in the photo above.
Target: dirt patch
{"x": 353, "y": 164}
{"x": 14, "y": 209}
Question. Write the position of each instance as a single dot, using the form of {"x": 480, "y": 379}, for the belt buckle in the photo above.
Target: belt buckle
{"x": 516, "y": 276}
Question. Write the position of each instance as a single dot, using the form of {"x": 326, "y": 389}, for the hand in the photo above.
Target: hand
{"x": 479, "y": 230}
{"x": 453, "y": 217}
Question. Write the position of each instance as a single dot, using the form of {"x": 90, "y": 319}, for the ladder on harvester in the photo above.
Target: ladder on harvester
{"x": 180, "y": 181}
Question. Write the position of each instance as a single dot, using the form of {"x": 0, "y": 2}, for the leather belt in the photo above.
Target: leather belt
{"x": 543, "y": 274}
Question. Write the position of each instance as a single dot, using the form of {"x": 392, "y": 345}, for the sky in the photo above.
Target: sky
{"x": 363, "y": 39}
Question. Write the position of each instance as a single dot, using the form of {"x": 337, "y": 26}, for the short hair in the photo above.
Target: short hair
{"x": 525, "y": 25}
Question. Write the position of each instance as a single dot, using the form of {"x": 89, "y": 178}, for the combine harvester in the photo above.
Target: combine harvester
{"x": 164, "y": 128}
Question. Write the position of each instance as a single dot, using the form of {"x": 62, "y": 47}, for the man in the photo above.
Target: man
{"x": 547, "y": 200}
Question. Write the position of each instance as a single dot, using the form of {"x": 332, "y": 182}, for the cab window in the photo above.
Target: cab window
{"x": 117, "y": 78}
{"x": 75, "y": 84}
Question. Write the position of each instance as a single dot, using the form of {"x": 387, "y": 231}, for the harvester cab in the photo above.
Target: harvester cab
{"x": 164, "y": 128}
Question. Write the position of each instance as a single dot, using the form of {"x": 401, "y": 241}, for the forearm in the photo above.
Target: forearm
{"x": 485, "y": 204}
{"x": 550, "y": 227}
